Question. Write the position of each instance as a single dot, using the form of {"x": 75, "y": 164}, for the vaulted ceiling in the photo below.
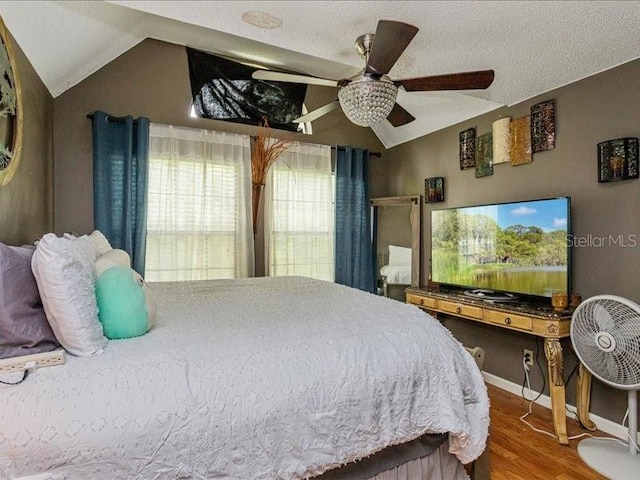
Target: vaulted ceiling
{"x": 533, "y": 46}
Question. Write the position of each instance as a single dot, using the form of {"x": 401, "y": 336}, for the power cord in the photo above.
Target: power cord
{"x": 28, "y": 368}
{"x": 526, "y": 380}
{"x": 632, "y": 440}
{"x": 531, "y": 402}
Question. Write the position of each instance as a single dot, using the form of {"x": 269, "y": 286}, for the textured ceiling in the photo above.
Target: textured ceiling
{"x": 533, "y": 47}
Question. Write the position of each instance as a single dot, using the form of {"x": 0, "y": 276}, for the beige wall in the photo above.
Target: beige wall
{"x": 152, "y": 80}
{"x": 26, "y": 202}
{"x": 598, "y": 108}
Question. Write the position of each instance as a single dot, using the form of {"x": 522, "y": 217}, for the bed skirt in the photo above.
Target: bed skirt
{"x": 392, "y": 464}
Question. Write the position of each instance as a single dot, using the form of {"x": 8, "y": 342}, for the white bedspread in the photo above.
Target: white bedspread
{"x": 277, "y": 378}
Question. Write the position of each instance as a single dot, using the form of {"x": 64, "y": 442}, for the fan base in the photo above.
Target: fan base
{"x": 609, "y": 458}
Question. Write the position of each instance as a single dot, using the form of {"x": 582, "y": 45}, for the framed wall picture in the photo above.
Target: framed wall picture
{"x": 543, "y": 126}
{"x": 618, "y": 160}
{"x": 484, "y": 155}
{"x": 501, "y": 130}
{"x": 434, "y": 190}
{"x": 468, "y": 148}
{"x": 521, "y": 141}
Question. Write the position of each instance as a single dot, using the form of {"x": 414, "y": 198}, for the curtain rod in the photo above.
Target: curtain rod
{"x": 110, "y": 118}
{"x": 123, "y": 119}
{"x": 373, "y": 154}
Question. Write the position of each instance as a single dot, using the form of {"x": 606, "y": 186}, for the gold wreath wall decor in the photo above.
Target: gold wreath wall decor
{"x": 10, "y": 109}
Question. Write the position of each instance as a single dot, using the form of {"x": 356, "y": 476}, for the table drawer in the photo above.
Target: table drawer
{"x": 421, "y": 301}
{"x": 508, "y": 319}
{"x": 459, "y": 309}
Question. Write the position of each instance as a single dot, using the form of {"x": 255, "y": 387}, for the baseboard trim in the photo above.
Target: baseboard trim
{"x": 603, "y": 424}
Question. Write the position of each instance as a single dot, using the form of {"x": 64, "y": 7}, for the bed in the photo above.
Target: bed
{"x": 266, "y": 378}
{"x": 396, "y": 274}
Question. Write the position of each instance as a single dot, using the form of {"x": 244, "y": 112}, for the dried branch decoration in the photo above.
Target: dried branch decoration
{"x": 265, "y": 153}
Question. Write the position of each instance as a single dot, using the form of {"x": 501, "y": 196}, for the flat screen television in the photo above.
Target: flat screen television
{"x": 516, "y": 248}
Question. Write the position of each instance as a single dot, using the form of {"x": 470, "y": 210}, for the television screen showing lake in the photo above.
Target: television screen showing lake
{"x": 511, "y": 247}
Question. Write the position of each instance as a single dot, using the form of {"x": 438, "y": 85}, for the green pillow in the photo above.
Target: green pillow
{"x": 122, "y": 306}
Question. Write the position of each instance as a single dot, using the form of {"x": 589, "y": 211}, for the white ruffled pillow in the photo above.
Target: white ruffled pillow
{"x": 111, "y": 258}
{"x": 100, "y": 243}
{"x": 65, "y": 274}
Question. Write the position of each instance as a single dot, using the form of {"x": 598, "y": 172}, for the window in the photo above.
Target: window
{"x": 299, "y": 213}
{"x": 199, "y": 205}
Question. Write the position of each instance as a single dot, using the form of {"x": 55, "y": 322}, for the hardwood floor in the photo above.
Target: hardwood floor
{"x": 519, "y": 453}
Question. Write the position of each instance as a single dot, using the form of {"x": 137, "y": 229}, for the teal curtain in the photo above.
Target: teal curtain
{"x": 354, "y": 250}
{"x": 120, "y": 167}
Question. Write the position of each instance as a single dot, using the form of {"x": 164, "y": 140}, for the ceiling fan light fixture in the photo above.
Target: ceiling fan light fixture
{"x": 368, "y": 101}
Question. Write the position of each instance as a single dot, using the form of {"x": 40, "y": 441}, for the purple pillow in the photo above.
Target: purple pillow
{"x": 24, "y": 328}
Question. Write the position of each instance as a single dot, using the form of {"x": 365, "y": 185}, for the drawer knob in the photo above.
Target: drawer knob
{"x": 458, "y": 310}
{"x": 422, "y": 301}
{"x": 507, "y": 321}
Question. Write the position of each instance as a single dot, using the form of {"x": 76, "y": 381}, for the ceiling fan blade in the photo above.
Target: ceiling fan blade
{"x": 292, "y": 78}
{"x": 453, "y": 81}
{"x": 318, "y": 112}
{"x": 390, "y": 40}
{"x": 399, "y": 116}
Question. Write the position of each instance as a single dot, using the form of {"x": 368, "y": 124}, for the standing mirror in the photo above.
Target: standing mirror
{"x": 396, "y": 238}
{"x": 10, "y": 109}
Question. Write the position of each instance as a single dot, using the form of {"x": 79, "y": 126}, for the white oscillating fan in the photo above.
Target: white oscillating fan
{"x": 605, "y": 333}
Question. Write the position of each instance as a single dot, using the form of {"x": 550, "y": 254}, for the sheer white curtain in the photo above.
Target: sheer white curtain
{"x": 299, "y": 213}
{"x": 199, "y": 205}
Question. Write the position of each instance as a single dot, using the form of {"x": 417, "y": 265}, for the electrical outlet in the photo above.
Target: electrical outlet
{"x": 528, "y": 357}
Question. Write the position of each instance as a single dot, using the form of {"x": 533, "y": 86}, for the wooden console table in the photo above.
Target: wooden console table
{"x": 531, "y": 319}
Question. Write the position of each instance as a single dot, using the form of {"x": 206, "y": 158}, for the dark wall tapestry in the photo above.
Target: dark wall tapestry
{"x": 224, "y": 90}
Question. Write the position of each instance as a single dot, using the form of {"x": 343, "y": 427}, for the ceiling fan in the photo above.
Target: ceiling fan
{"x": 370, "y": 96}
